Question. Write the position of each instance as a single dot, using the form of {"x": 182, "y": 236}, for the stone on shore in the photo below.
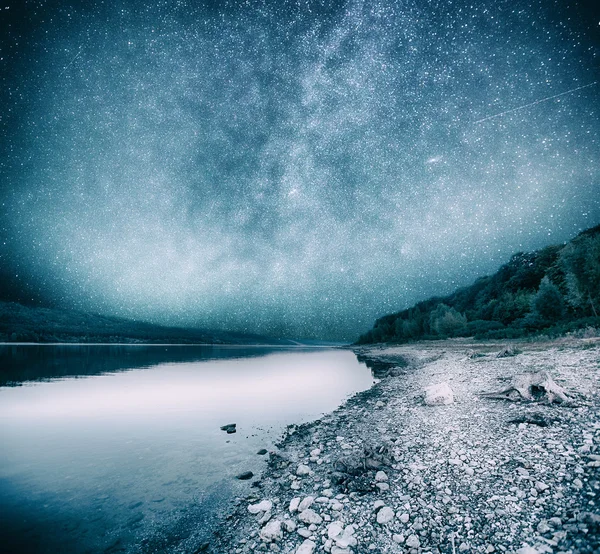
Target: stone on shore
{"x": 264, "y": 506}
{"x": 439, "y": 395}
{"x": 385, "y": 515}
{"x": 271, "y": 531}
{"x": 307, "y": 547}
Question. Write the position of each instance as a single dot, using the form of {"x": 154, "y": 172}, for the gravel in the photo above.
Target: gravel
{"x": 387, "y": 473}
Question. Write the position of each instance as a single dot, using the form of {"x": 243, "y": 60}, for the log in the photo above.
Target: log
{"x": 532, "y": 387}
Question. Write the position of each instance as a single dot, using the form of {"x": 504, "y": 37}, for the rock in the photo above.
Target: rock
{"x": 265, "y": 517}
{"x": 294, "y": 503}
{"x": 245, "y": 476}
{"x": 306, "y": 503}
{"x": 315, "y": 453}
{"x": 304, "y": 532}
{"x": 262, "y": 452}
{"x": 385, "y": 515}
{"x": 289, "y": 525}
{"x": 230, "y": 428}
{"x": 310, "y": 516}
{"x": 378, "y": 504}
{"x": 463, "y": 547}
{"x": 404, "y": 518}
{"x": 271, "y": 531}
{"x": 263, "y": 506}
{"x": 541, "y": 487}
{"x": 334, "y": 529}
{"x": 440, "y": 394}
{"x": 307, "y": 547}
{"x": 338, "y": 550}
{"x": 577, "y": 483}
{"x": 543, "y": 527}
{"x": 413, "y": 541}
{"x": 382, "y": 487}
{"x": 526, "y": 549}
{"x": 302, "y": 470}
{"x": 399, "y": 539}
{"x": 346, "y": 539}
{"x": 381, "y": 476}
{"x": 469, "y": 470}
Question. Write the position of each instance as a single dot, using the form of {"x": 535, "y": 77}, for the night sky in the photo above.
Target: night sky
{"x": 288, "y": 168}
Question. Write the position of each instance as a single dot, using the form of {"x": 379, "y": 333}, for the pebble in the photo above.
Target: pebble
{"x": 303, "y": 470}
{"x": 307, "y": 547}
{"x": 264, "y": 506}
{"x": 309, "y": 516}
{"x": 306, "y": 503}
{"x": 413, "y": 541}
{"x": 385, "y": 515}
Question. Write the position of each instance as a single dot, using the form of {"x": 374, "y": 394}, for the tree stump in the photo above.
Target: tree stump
{"x": 532, "y": 387}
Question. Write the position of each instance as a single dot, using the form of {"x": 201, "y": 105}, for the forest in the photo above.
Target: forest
{"x": 553, "y": 291}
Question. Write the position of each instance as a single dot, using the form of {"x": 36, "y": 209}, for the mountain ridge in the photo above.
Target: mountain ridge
{"x": 553, "y": 290}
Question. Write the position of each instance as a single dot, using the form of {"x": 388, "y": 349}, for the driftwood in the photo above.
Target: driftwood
{"x": 532, "y": 387}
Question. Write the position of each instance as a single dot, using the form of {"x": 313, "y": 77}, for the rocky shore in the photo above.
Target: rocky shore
{"x": 388, "y": 473}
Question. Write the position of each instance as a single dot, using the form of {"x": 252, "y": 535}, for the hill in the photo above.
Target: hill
{"x": 552, "y": 291}
{"x": 19, "y": 323}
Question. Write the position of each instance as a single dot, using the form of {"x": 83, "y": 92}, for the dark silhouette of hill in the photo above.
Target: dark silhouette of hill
{"x": 19, "y": 323}
{"x": 553, "y": 291}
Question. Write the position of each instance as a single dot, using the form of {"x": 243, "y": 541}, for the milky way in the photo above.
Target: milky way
{"x": 290, "y": 168}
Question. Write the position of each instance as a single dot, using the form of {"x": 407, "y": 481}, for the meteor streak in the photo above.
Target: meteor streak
{"x": 535, "y": 103}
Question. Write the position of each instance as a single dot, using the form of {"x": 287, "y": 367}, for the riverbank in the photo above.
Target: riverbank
{"x": 386, "y": 473}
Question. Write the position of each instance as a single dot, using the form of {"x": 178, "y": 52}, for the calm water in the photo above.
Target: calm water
{"x": 118, "y": 448}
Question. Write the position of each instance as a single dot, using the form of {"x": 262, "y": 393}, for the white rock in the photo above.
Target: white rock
{"x": 303, "y": 470}
{"x": 577, "y": 483}
{"x": 398, "y": 538}
{"x": 307, "y": 547}
{"x": 404, "y": 518}
{"x": 440, "y": 394}
{"x": 334, "y": 529}
{"x": 263, "y": 506}
{"x": 336, "y": 506}
{"x": 385, "y": 515}
{"x": 338, "y": 550}
{"x": 315, "y": 453}
{"x": 382, "y": 487}
{"x": 378, "y": 504}
{"x": 294, "y": 503}
{"x": 469, "y": 470}
{"x": 346, "y": 539}
{"x": 295, "y": 486}
{"x": 306, "y": 503}
{"x": 290, "y": 525}
{"x": 381, "y": 476}
{"x": 413, "y": 541}
{"x": 309, "y": 516}
{"x": 304, "y": 532}
{"x": 526, "y": 549}
{"x": 271, "y": 531}
{"x": 541, "y": 486}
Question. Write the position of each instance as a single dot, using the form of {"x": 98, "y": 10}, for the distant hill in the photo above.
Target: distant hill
{"x": 19, "y": 323}
{"x": 552, "y": 291}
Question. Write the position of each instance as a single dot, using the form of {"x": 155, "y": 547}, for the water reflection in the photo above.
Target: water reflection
{"x": 119, "y": 459}
{"x": 21, "y": 363}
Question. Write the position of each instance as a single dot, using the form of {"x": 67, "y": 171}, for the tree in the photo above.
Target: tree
{"x": 548, "y": 302}
{"x": 446, "y": 321}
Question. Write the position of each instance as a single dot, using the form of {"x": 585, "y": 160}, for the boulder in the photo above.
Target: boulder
{"x": 439, "y": 395}
{"x": 385, "y": 515}
{"x": 263, "y": 506}
{"x": 271, "y": 531}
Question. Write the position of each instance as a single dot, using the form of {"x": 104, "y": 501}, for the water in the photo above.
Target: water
{"x": 118, "y": 448}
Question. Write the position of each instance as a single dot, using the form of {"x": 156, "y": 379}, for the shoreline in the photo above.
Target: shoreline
{"x": 456, "y": 478}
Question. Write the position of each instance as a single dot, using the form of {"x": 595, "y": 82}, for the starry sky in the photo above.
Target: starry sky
{"x": 292, "y": 168}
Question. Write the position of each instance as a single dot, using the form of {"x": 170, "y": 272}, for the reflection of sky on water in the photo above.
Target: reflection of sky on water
{"x": 103, "y": 443}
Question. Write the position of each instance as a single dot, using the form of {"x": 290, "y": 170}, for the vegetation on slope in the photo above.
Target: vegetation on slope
{"x": 554, "y": 290}
{"x": 20, "y": 323}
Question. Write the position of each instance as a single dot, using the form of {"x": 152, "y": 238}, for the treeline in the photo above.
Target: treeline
{"x": 553, "y": 291}
{"x": 19, "y": 323}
